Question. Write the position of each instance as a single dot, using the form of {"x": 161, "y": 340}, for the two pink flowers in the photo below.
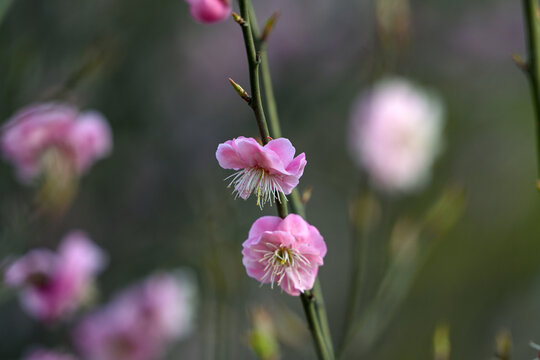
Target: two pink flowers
{"x": 139, "y": 323}
{"x": 286, "y": 252}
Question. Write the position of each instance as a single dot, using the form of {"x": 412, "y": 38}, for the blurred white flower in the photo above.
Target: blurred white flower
{"x": 396, "y": 133}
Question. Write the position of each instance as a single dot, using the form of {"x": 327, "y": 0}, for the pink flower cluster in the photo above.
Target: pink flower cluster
{"x": 210, "y": 11}
{"x": 81, "y": 138}
{"x": 138, "y": 323}
{"x": 287, "y": 252}
{"x": 266, "y": 170}
{"x": 53, "y": 285}
{"x": 396, "y": 134}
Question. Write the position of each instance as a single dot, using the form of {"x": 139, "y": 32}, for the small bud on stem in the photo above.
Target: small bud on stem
{"x": 269, "y": 26}
{"x": 243, "y": 94}
{"x": 522, "y": 64}
{"x": 238, "y": 19}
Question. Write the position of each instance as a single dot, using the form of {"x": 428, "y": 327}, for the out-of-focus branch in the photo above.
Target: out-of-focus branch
{"x": 532, "y": 28}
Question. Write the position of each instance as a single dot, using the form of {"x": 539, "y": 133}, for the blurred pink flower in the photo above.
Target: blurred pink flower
{"x": 53, "y": 285}
{"x": 396, "y": 134}
{"x": 139, "y": 323}
{"x": 287, "y": 252}
{"x": 81, "y": 138}
{"x": 266, "y": 170}
{"x": 210, "y": 11}
{"x": 43, "y": 354}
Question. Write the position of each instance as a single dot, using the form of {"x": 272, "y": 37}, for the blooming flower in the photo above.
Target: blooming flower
{"x": 55, "y": 284}
{"x": 43, "y": 354}
{"x": 210, "y": 11}
{"x": 81, "y": 138}
{"x": 138, "y": 323}
{"x": 287, "y": 252}
{"x": 266, "y": 170}
{"x": 396, "y": 134}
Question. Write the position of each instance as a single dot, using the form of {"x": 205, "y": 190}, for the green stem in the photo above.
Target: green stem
{"x": 312, "y": 301}
{"x": 320, "y": 309}
{"x": 253, "y": 61}
{"x": 298, "y": 208}
{"x": 270, "y": 100}
{"x": 359, "y": 264}
{"x": 531, "y": 12}
{"x": 310, "y": 308}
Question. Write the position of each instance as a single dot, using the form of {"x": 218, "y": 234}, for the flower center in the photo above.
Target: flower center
{"x": 278, "y": 260}
{"x": 258, "y": 180}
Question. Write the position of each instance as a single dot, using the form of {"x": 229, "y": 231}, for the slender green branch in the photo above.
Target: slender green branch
{"x": 253, "y": 61}
{"x": 359, "y": 264}
{"x": 312, "y": 301}
{"x": 270, "y": 100}
{"x": 255, "y": 101}
{"x": 531, "y": 12}
{"x": 298, "y": 207}
{"x": 322, "y": 316}
{"x": 294, "y": 199}
{"x": 310, "y": 308}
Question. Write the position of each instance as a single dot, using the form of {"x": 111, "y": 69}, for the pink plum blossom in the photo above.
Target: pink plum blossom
{"x": 287, "y": 252}
{"x": 81, "y": 138}
{"x": 139, "y": 323}
{"x": 266, "y": 170}
{"x": 210, "y": 11}
{"x": 396, "y": 134}
{"x": 43, "y": 354}
{"x": 54, "y": 284}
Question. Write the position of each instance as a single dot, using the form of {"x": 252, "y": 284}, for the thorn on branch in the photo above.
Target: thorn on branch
{"x": 522, "y": 64}
{"x": 243, "y": 93}
{"x": 258, "y": 57}
{"x": 269, "y": 26}
{"x": 238, "y": 19}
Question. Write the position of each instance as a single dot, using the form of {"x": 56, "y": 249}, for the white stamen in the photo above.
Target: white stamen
{"x": 278, "y": 260}
{"x": 258, "y": 180}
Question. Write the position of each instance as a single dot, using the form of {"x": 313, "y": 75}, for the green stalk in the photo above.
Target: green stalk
{"x": 531, "y": 13}
{"x": 310, "y": 309}
{"x": 312, "y": 301}
{"x": 253, "y": 61}
{"x": 270, "y": 100}
{"x": 297, "y": 206}
{"x": 359, "y": 264}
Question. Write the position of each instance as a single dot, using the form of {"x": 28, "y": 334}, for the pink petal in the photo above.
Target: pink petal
{"x": 227, "y": 156}
{"x": 38, "y": 261}
{"x": 80, "y": 257}
{"x": 255, "y": 156}
{"x": 283, "y": 148}
{"x": 317, "y": 241}
{"x": 288, "y": 183}
{"x": 90, "y": 138}
{"x": 296, "y": 226}
{"x": 262, "y": 224}
{"x": 296, "y": 167}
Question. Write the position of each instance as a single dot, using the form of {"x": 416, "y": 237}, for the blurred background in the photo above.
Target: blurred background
{"x": 159, "y": 200}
